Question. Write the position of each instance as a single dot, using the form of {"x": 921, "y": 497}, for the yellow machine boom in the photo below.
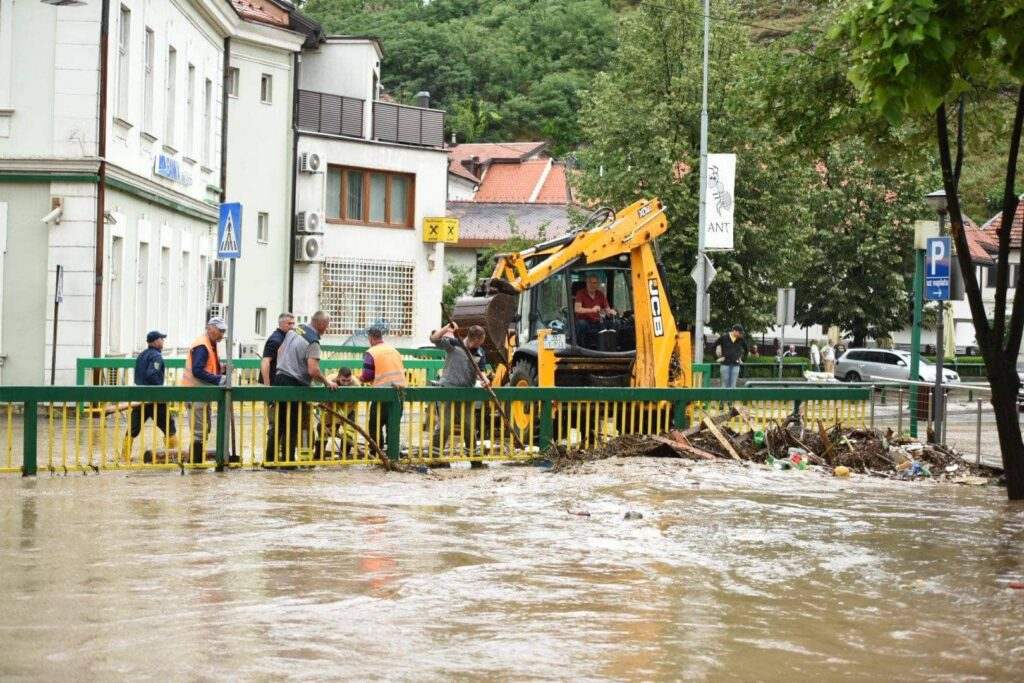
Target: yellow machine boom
{"x": 662, "y": 353}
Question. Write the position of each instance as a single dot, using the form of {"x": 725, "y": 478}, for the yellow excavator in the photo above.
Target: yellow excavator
{"x": 528, "y": 308}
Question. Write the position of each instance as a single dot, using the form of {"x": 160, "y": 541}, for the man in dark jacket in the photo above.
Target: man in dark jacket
{"x": 730, "y": 349}
{"x": 149, "y": 372}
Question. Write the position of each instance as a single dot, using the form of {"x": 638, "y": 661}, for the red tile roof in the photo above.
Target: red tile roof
{"x": 513, "y": 182}
{"x": 261, "y": 11}
{"x": 487, "y": 152}
{"x": 555, "y": 189}
{"x": 992, "y": 226}
{"x": 979, "y": 242}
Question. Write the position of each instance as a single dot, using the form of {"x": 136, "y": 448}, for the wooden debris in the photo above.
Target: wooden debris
{"x": 717, "y": 433}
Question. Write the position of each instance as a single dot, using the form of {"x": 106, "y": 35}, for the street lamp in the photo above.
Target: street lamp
{"x": 938, "y": 202}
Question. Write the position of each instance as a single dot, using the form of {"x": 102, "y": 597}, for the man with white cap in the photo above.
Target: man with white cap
{"x": 203, "y": 368}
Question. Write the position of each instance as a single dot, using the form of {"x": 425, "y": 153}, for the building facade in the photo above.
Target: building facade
{"x": 370, "y": 171}
{"x": 156, "y": 140}
{"x": 260, "y": 90}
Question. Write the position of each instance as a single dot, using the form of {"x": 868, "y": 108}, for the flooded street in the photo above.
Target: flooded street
{"x": 732, "y": 573}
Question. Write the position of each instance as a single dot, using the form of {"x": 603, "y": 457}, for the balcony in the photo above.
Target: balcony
{"x": 408, "y": 125}
{"x": 331, "y": 114}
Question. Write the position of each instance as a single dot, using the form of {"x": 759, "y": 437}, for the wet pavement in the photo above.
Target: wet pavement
{"x": 731, "y": 573}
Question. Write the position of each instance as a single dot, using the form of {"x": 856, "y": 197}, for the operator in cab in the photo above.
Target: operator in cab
{"x": 590, "y": 305}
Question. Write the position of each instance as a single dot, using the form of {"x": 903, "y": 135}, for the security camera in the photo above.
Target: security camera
{"x": 54, "y": 216}
{"x": 108, "y": 218}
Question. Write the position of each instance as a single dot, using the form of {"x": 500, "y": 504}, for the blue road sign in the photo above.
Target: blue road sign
{"x": 937, "y": 268}
{"x": 229, "y": 231}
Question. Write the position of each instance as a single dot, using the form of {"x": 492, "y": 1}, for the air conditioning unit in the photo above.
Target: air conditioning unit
{"x": 308, "y": 221}
{"x": 309, "y": 248}
{"x": 309, "y": 162}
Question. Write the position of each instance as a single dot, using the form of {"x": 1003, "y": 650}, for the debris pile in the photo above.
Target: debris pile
{"x": 792, "y": 445}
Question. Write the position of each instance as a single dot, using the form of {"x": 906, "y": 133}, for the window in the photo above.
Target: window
{"x": 124, "y": 42}
{"x": 261, "y": 322}
{"x": 190, "y": 113}
{"x": 207, "y": 120}
{"x": 263, "y": 227}
{"x": 990, "y": 277}
{"x": 233, "y": 77}
{"x": 356, "y": 195}
{"x": 266, "y": 88}
{"x": 147, "y": 90}
{"x": 358, "y": 294}
{"x": 172, "y": 67}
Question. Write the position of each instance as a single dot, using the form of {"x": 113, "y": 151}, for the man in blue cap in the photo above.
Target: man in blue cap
{"x": 149, "y": 372}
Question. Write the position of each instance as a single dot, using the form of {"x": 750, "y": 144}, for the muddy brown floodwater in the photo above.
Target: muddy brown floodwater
{"x": 731, "y": 573}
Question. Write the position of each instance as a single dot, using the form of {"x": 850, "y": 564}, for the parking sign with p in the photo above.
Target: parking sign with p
{"x": 936, "y": 269}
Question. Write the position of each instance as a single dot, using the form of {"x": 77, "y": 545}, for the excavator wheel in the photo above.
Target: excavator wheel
{"x": 524, "y": 374}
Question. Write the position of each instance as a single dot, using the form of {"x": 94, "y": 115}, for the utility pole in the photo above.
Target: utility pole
{"x": 938, "y": 400}
{"x": 915, "y": 335}
{"x": 698, "y": 323}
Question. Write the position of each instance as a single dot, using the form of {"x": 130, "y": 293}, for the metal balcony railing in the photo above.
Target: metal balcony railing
{"x": 332, "y": 114}
{"x": 408, "y": 125}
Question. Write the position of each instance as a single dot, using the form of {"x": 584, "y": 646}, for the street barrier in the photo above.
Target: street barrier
{"x": 120, "y": 371}
{"x": 89, "y": 428}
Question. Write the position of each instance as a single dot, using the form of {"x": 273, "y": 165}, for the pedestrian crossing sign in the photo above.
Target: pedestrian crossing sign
{"x": 441, "y": 230}
{"x": 229, "y": 231}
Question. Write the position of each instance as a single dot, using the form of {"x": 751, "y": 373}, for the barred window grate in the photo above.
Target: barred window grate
{"x": 360, "y": 294}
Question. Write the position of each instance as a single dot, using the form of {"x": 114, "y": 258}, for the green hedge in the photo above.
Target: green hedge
{"x": 792, "y": 368}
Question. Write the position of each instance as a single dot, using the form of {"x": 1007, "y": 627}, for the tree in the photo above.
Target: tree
{"x": 861, "y": 244}
{"x": 641, "y": 122}
{"x": 921, "y": 58}
{"x": 457, "y": 284}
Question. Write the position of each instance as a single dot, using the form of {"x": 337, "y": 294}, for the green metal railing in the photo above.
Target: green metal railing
{"x": 118, "y": 371}
{"x": 426, "y": 353}
{"x": 549, "y": 410}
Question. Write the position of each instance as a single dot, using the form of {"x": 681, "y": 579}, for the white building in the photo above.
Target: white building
{"x": 161, "y": 117}
{"x": 370, "y": 172}
{"x": 260, "y": 89}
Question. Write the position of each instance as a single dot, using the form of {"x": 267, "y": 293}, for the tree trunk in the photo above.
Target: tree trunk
{"x": 1011, "y": 445}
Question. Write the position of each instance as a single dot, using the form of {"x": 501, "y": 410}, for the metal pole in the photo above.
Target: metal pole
{"x": 915, "y": 337}
{"x": 977, "y": 436}
{"x": 872, "y": 406}
{"x": 938, "y": 402}
{"x": 698, "y": 323}
{"x": 899, "y": 414}
{"x": 56, "y": 317}
{"x": 225, "y": 417}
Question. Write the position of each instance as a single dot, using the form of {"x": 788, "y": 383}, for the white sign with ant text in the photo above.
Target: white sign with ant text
{"x": 719, "y": 202}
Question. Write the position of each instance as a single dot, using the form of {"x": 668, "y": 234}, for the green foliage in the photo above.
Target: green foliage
{"x": 488, "y": 258}
{"x": 504, "y": 69}
{"x": 459, "y": 282}
{"x": 909, "y": 56}
{"x": 642, "y": 121}
{"x": 861, "y": 243}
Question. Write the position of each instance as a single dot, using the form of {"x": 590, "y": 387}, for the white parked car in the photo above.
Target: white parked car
{"x": 869, "y": 365}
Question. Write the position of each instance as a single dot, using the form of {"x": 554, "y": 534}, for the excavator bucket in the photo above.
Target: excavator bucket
{"x": 494, "y": 312}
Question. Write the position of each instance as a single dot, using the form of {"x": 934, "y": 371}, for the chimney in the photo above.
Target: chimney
{"x": 423, "y": 99}
{"x": 472, "y": 165}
